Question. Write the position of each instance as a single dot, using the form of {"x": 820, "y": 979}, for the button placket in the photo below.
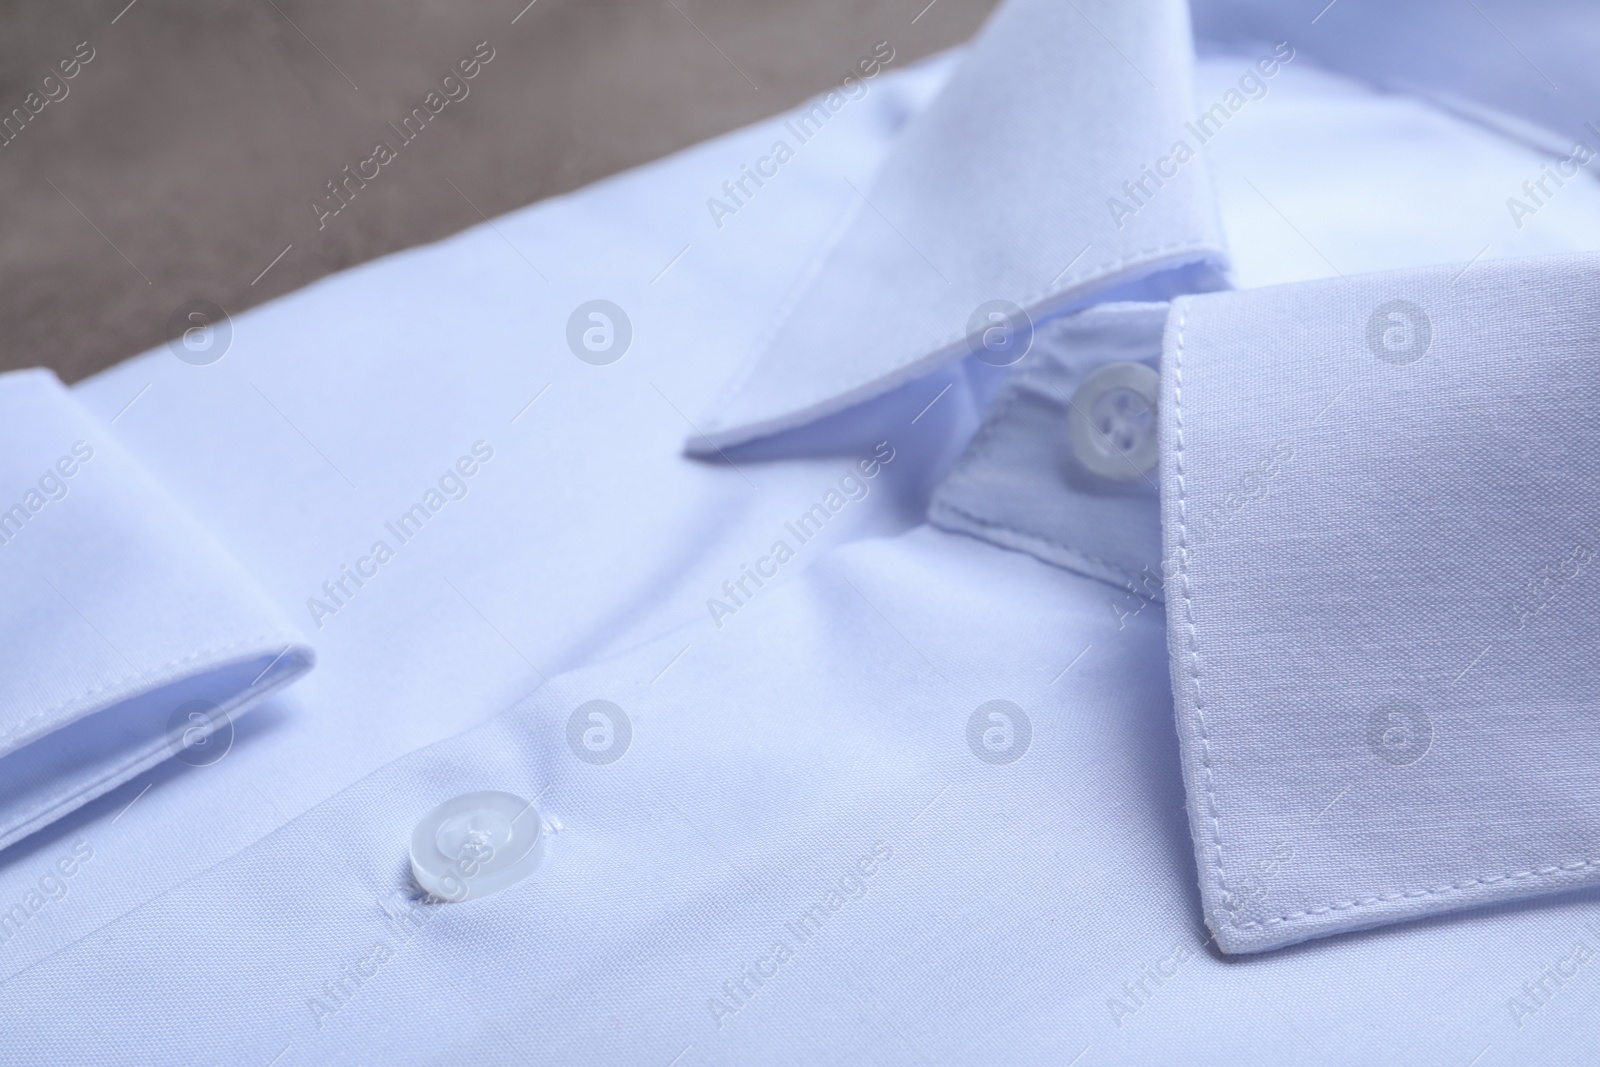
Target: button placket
{"x": 1111, "y": 422}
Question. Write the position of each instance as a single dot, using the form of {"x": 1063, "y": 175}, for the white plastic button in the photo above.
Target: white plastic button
{"x": 1111, "y": 423}
{"x": 476, "y": 844}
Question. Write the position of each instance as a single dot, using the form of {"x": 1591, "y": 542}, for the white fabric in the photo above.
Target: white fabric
{"x": 120, "y": 611}
{"x": 1524, "y": 69}
{"x": 1379, "y": 507}
{"x": 586, "y": 532}
{"x": 1020, "y": 484}
{"x": 998, "y": 191}
{"x": 819, "y": 738}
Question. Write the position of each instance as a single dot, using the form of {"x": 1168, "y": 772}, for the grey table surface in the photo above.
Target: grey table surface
{"x": 181, "y": 160}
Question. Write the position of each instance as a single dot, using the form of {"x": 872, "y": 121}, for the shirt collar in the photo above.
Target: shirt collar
{"x": 995, "y": 213}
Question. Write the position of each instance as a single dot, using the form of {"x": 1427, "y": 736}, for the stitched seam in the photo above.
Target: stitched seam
{"x": 1032, "y": 298}
{"x": 1189, "y": 624}
{"x": 97, "y": 690}
{"x": 1316, "y": 911}
{"x": 1025, "y": 536}
{"x": 1087, "y": 274}
{"x": 1413, "y": 894}
{"x": 983, "y": 442}
{"x": 61, "y": 804}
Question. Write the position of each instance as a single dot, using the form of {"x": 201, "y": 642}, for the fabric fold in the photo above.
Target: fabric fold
{"x": 1022, "y": 483}
{"x": 130, "y": 635}
{"x": 1047, "y": 174}
{"x": 1380, "y": 521}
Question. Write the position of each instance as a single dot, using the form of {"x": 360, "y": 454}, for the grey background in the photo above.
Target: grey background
{"x": 185, "y": 154}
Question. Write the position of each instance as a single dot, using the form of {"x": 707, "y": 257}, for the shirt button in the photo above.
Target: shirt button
{"x": 476, "y": 844}
{"x": 1111, "y": 422}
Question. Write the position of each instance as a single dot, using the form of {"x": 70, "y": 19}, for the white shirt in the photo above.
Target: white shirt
{"x": 822, "y": 838}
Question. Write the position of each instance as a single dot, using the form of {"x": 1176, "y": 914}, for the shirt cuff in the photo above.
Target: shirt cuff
{"x": 129, "y": 635}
